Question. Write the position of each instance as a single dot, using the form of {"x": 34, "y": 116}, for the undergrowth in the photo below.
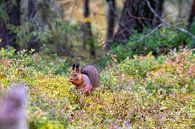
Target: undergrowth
{"x": 160, "y": 42}
{"x": 143, "y": 92}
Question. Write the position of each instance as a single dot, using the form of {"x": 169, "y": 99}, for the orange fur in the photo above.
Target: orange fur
{"x": 81, "y": 80}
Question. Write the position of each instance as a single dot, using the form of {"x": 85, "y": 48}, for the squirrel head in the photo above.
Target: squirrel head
{"x": 76, "y": 77}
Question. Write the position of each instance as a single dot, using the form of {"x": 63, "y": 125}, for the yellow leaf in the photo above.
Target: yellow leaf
{"x": 162, "y": 108}
{"x": 149, "y": 55}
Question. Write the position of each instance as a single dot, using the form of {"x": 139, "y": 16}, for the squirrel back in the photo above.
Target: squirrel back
{"x": 92, "y": 72}
{"x": 87, "y": 77}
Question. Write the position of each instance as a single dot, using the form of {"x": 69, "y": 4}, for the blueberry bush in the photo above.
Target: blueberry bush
{"x": 138, "y": 92}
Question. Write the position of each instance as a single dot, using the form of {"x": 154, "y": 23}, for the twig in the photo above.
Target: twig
{"x": 151, "y": 32}
{"x": 182, "y": 30}
{"x": 154, "y": 12}
{"x": 168, "y": 24}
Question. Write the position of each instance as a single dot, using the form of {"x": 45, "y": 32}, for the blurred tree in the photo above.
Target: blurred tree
{"x": 86, "y": 11}
{"x": 88, "y": 38}
{"x": 136, "y": 15}
{"x": 33, "y": 43}
{"x": 11, "y": 10}
{"x": 110, "y": 21}
{"x": 192, "y": 13}
{"x": 180, "y": 2}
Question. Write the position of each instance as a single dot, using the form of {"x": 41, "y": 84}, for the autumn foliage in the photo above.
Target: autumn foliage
{"x": 144, "y": 92}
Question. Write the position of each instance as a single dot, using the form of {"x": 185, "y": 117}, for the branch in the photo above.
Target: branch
{"x": 154, "y": 12}
{"x": 151, "y": 32}
{"x": 168, "y": 24}
{"x": 182, "y": 30}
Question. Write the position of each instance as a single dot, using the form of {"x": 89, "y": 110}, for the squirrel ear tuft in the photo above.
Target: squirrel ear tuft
{"x": 77, "y": 67}
{"x": 73, "y": 66}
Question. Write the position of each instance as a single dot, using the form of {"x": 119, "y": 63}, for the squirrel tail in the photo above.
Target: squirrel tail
{"x": 92, "y": 72}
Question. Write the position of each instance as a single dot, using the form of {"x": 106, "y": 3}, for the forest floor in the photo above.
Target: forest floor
{"x": 143, "y": 92}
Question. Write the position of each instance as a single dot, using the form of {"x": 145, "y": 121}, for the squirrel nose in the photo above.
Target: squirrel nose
{"x": 70, "y": 80}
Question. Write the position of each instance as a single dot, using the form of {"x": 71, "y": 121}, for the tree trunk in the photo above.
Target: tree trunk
{"x": 33, "y": 43}
{"x": 88, "y": 38}
{"x": 110, "y": 21}
{"x": 13, "y": 18}
{"x": 136, "y": 15}
{"x": 192, "y": 13}
{"x": 180, "y": 8}
{"x": 86, "y": 11}
{"x": 158, "y": 6}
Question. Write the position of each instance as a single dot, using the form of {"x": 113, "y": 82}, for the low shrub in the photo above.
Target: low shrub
{"x": 144, "y": 92}
{"x": 160, "y": 42}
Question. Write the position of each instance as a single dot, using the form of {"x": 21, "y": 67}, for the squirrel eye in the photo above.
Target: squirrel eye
{"x": 75, "y": 75}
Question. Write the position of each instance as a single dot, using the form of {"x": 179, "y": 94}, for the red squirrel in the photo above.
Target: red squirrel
{"x": 85, "y": 78}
